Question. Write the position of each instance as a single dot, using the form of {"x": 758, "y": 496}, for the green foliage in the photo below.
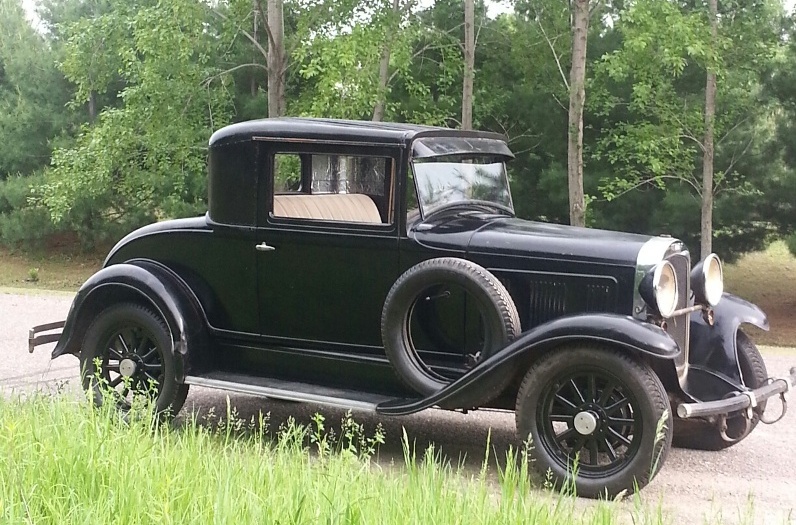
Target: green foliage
{"x": 339, "y": 51}
{"x": 163, "y": 76}
{"x": 658, "y": 124}
{"x": 649, "y": 96}
{"x": 32, "y": 94}
{"x": 791, "y": 242}
{"x": 22, "y": 223}
{"x": 145, "y": 159}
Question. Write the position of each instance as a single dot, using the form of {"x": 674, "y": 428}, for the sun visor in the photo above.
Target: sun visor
{"x": 444, "y": 146}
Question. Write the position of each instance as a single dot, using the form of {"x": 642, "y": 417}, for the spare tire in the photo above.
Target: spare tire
{"x": 498, "y": 314}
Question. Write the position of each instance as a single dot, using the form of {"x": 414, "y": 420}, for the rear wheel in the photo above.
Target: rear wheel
{"x": 596, "y": 417}
{"x": 126, "y": 353}
{"x": 705, "y": 435}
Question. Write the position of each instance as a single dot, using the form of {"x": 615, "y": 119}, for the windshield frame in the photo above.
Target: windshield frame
{"x": 502, "y": 208}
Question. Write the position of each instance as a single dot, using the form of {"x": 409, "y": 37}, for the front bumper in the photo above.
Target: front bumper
{"x": 742, "y": 400}
{"x": 37, "y": 335}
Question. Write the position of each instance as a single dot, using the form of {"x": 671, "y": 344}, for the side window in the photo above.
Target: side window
{"x": 287, "y": 172}
{"x": 333, "y": 188}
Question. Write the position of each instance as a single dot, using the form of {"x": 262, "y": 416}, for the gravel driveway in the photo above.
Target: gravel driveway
{"x": 753, "y": 482}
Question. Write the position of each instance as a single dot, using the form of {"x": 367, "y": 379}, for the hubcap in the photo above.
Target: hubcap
{"x": 127, "y": 368}
{"x": 132, "y": 363}
{"x": 592, "y": 415}
{"x": 585, "y": 423}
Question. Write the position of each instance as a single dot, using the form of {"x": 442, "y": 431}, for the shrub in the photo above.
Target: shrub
{"x": 791, "y": 242}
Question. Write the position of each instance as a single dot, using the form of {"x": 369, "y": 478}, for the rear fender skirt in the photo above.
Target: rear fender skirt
{"x": 712, "y": 348}
{"x": 624, "y": 332}
{"x": 149, "y": 283}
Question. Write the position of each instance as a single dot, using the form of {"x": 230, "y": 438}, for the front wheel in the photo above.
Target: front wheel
{"x": 597, "y": 419}
{"x": 127, "y": 352}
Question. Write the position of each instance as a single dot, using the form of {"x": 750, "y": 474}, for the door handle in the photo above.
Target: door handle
{"x": 263, "y": 247}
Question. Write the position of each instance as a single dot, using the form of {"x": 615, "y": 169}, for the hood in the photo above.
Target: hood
{"x": 499, "y": 235}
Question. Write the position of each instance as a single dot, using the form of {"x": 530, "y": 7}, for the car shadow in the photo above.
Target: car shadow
{"x": 461, "y": 440}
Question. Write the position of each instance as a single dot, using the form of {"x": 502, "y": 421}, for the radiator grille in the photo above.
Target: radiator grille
{"x": 552, "y": 297}
{"x": 597, "y": 297}
{"x": 678, "y": 327}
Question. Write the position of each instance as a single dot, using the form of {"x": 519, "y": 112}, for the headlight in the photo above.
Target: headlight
{"x": 707, "y": 281}
{"x": 659, "y": 288}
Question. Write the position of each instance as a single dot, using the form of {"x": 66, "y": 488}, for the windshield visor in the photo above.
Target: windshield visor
{"x": 459, "y": 180}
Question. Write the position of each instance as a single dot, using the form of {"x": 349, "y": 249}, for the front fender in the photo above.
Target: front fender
{"x": 620, "y": 331}
{"x": 712, "y": 349}
{"x": 149, "y": 283}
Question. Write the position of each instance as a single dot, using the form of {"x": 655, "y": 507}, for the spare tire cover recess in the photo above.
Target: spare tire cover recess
{"x": 498, "y": 312}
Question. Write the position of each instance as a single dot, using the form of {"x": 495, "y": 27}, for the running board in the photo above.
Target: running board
{"x": 289, "y": 390}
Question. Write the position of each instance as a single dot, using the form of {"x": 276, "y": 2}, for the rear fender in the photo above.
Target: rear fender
{"x": 626, "y": 333}
{"x": 149, "y": 283}
{"x": 713, "y": 356}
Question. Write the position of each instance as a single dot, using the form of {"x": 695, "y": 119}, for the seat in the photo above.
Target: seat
{"x": 343, "y": 207}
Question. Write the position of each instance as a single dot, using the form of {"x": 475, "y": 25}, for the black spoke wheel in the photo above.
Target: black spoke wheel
{"x": 701, "y": 434}
{"x": 594, "y": 412}
{"x": 128, "y": 352}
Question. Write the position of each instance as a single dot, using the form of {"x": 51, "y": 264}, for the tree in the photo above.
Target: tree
{"x": 577, "y": 96}
{"x": 33, "y": 94}
{"x": 469, "y": 64}
{"x": 277, "y": 60}
{"x": 706, "y": 223}
{"x": 653, "y": 90}
{"x": 781, "y": 83}
{"x": 351, "y": 54}
{"x": 144, "y": 159}
{"x": 384, "y": 68}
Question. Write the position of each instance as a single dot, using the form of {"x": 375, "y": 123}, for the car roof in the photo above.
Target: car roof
{"x": 334, "y": 130}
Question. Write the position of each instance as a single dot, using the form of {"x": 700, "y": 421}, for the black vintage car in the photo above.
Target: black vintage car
{"x": 381, "y": 267}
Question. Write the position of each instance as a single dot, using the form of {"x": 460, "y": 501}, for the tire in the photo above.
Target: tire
{"x": 133, "y": 342}
{"x": 617, "y": 402}
{"x": 704, "y": 435}
{"x": 501, "y": 323}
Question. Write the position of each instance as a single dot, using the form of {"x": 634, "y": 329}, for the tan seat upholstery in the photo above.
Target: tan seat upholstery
{"x": 344, "y": 207}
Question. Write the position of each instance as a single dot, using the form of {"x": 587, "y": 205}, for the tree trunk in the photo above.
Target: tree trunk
{"x": 577, "y": 98}
{"x": 255, "y": 36}
{"x": 92, "y": 106}
{"x": 276, "y": 59}
{"x": 384, "y": 65}
{"x": 706, "y": 244}
{"x": 469, "y": 64}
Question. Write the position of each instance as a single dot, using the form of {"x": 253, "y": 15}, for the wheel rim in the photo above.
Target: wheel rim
{"x": 593, "y": 416}
{"x": 131, "y": 363}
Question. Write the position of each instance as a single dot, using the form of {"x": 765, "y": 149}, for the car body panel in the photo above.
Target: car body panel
{"x": 714, "y": 371}
{"x": 156, "y": 287}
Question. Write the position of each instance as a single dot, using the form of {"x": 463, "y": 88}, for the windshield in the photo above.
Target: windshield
{"x": 444, "y": 181}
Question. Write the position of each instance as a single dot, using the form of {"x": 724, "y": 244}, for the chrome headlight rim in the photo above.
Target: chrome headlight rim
{"x": 660, "y": 289}
{"x": 708, "y": 280}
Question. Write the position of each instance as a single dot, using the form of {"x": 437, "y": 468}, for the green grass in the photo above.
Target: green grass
{"x": 63, "y": 462}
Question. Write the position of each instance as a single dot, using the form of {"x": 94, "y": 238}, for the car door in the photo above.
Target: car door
{"x": 327, "y": 249}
